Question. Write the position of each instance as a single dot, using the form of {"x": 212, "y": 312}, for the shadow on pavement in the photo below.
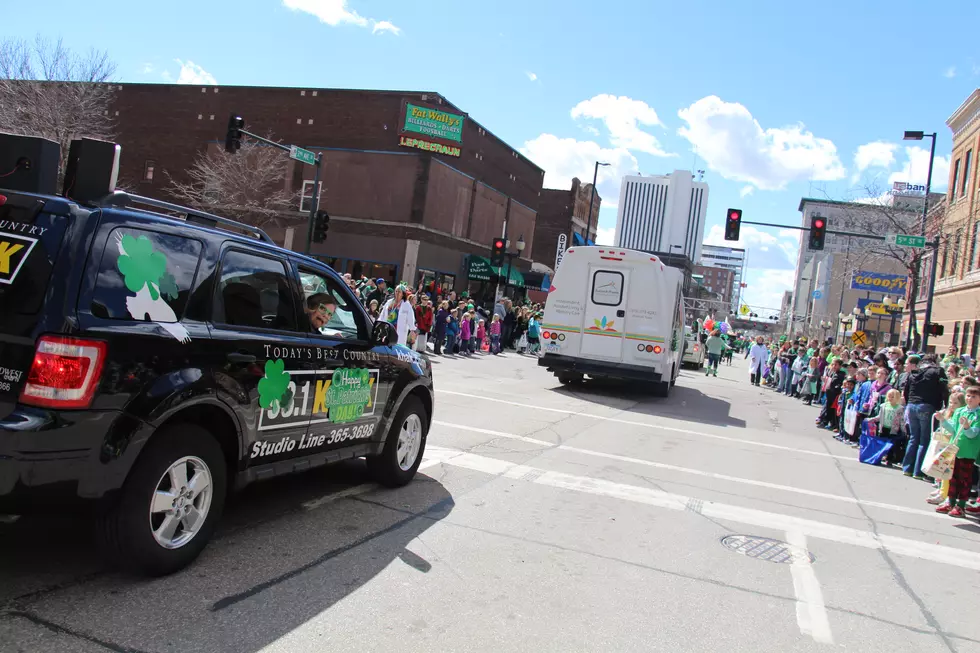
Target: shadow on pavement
{"x": 684, "y": 403}
{"x": 286, "y": 551}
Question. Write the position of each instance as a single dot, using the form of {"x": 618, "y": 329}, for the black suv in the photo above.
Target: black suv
{"x": 151, "y": 362}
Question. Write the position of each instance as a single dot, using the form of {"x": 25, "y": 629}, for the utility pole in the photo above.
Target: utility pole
{"x": 588, "y": 223}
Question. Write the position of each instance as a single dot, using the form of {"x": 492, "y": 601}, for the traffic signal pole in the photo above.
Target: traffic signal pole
{"x": 315, "y": 200}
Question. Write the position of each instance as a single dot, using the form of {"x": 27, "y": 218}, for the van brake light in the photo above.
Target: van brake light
{"x": 65, "y": 372}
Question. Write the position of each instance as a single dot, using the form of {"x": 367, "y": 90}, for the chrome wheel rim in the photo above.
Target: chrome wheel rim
{"x": 180, "y": 502}
{"x": 409, "y": 442}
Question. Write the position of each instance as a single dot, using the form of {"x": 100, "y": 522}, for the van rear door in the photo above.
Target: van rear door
{"x": 605, "y": 313}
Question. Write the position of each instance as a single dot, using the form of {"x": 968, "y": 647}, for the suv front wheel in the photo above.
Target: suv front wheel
{"x": 397, "y": 463}
{"x": 170, "y": 504}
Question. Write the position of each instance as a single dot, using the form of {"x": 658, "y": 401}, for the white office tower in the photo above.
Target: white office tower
{"x": 663, "y": 214}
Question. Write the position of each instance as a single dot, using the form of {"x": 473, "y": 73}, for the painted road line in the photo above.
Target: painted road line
{"x": 811, "y": 612}
{"x": 699, "y": 472}
{"x": 720, "y": 511}
{"x": 672, "y": 429}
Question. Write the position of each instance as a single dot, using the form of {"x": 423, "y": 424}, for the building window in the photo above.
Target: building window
{"x": 966, "y": 337}
{"x": 976, "y": 339}
{"x": 924, "y": 281}
{"x": 148, "y": 168}
{"x": 966, "y": 173}
{"x": 307, "y": 195}
{"x": 972, "y": 263}
{"x": 956, "y": 332}
{"x": 956, "y": 178}
{"x": 955, "y": 258}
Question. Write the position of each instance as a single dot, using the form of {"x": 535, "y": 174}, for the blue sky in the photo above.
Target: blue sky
{"x": 775, "y": 103}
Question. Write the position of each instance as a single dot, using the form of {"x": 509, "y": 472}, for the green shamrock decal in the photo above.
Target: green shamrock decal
{"x": 141, "y": 265}
{"x": 168, "y": 287}
{"x": 275, "y": 383}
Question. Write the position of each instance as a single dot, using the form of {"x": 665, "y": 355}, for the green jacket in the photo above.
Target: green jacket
{"x": 715, "y": 345}
{"x": 967, "y": 438}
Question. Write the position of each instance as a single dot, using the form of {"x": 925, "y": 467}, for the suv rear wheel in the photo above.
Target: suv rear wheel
{"x": 170, "y": 504}
{"x": 396, "y": 465}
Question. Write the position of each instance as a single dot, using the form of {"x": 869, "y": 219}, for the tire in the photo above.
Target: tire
{"x": 385, "y": 467}
{"x": 567, "y": 378}
{"x": 126, "y": 529}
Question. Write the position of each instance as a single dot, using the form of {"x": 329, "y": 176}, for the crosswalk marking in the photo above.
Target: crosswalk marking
{"x": 617, "y": 420}
{"x": 725, "y": 512}
{"x": 698, "y": 472}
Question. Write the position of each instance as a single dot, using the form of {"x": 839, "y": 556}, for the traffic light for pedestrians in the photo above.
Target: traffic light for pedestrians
{"x": 233, "y": 139}
{"x": 498, "y": 250}
{"x": 733, "y": 224}
{"x": 934, "y": 329}
{"x": 321, "y": 225}
{"x": 818, "y": 232}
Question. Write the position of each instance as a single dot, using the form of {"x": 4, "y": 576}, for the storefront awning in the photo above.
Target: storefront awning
{"x": 481, "y": 270}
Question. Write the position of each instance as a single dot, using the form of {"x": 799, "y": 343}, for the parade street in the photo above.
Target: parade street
{"x": 588, "y": 517}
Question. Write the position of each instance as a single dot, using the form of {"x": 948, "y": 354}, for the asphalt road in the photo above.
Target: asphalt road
{"x": 546, "y": 518}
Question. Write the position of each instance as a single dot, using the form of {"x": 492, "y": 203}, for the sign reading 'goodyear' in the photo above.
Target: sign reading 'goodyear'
{"x": 14, "y": 250}
{"x": 880, "y": 281}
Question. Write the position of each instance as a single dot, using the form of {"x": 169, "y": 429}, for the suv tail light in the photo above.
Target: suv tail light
{"x": 65, "y": 372}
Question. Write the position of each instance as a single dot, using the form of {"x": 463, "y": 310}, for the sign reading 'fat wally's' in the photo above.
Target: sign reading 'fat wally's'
{"x": 430, "y": 129}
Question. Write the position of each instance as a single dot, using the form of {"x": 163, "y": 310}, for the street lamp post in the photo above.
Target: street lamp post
{"x": 588, "y": 223}
{"x": 918, "y": 136}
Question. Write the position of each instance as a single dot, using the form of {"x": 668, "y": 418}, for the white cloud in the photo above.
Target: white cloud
{"x": 605, "y": 236}
{"x": 765, "y": 250}
{"x": 191, "y": 73}
{"x": 147, "y": 68}
{"x": 878, "y": 154}
{"x": 336, "y": 12}
{"x": 531, "y": 76}
{"x": 564, "y": 158}
{"x": 623, "y": 116}
{"x": 734, "y": 144}
{"x": 764, "y": 289}
{"x": 746, "y": 191}
{"x": 950, "y": 72}
{"x": 916, "y": 169}
{"x": 386, "y": 26}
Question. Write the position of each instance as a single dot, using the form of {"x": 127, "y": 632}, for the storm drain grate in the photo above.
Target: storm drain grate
{"x": 765, "y": 548}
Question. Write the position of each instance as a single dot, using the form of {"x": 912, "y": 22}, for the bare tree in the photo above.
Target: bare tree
{"x": 879, "y": 213}
{"x": 249, "y": 185}
{"x": 47, "y": 90}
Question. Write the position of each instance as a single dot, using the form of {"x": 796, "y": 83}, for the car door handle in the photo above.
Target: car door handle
{"x": 620, "y": 313}
{"x": 240, "y": 357}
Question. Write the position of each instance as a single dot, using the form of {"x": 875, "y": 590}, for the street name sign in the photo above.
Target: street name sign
{"x": 904, "y": 240}
{"x": 301, "y": 155}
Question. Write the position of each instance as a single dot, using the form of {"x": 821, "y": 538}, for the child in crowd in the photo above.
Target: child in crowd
{"x": 465, "y": 330}
{"x": 439, "y": 327}
{"x": 474, "y": 343}
{"x": 495, "y": 335}
{"x": 846, "y": 400}
{"x": 533, "y": 343}
{"x": 811, "y": 381}
{"x": 861, "y": 403}
{"x": 481, "y": 334}
{"x": 889, "y": 417}
{"x": 947, "y": 424}
{"x": 452, "y": 331}
{"x": 373, "y": 309}
{"x": 967, "y": 439}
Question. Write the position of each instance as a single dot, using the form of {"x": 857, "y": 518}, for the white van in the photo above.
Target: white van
{"x": 694, "y": 345}
{"x": 617, "y": 313}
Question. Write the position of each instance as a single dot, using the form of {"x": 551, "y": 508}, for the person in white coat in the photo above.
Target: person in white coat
{"x": 400, "y": 314}
{"x": 757, "y": 359}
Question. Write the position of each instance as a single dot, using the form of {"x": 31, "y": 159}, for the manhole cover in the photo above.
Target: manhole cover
{"x": 765, "y": 548}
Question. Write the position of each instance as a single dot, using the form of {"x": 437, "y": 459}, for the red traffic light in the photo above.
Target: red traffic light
{"x": 734, "y": 215}
{"x": 818, "y": 223}
{"x": 498, "y": 244}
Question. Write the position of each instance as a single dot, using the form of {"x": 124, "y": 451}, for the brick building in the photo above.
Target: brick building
{"x": 414, "y": 186}
{"x": 564, "y": 212}
{"x": 717, "y": 280}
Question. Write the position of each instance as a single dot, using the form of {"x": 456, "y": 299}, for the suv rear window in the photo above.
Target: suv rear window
{"x": 30, "y": 240}
{"x": 139, "y": 269}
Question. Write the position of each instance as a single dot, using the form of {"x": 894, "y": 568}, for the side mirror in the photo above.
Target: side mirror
{"x": 383, "y": 335}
